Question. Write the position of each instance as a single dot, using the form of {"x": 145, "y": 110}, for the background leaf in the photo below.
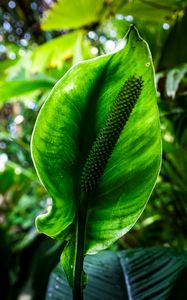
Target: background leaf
{"x": 66, "y": 14}
{"x": 149, "y": 273}
{"x": 175, "y": 48}
{"x": 174, "y": 78}
{"x": 14, "y": 88}
{"x": 106, "y": 279}
{"x": 52, "y": 54}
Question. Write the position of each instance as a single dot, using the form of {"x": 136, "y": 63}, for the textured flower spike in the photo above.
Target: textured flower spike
{"x": 109, "y": 134}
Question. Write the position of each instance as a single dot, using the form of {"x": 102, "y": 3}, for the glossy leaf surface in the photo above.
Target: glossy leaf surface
{"x": 68, "y": 123}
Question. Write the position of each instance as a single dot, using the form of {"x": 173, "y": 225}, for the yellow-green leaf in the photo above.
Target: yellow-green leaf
{"x": 67, "y": 14}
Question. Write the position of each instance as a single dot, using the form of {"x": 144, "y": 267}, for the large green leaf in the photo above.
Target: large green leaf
{"x": 66, "y": 128}
{"x": 73, "y": 14}
{"x": 156, "y": 273}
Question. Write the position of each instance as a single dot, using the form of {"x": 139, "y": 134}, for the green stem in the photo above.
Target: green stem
{"x": 81, "y": 225}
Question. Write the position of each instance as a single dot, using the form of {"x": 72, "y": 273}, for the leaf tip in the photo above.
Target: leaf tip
{"x": 133, "y": 32}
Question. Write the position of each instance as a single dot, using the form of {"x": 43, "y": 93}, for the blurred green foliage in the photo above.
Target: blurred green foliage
{"x": 39, "y": 42}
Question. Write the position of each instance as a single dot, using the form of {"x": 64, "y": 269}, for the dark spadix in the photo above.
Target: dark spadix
{"x": 108, "y": 136}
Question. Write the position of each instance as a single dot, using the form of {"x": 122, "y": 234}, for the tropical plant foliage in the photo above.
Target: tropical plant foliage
{"x": 39, "y": 42}
{"x": 152, "y": 273}
{"x": 69, "y": 122}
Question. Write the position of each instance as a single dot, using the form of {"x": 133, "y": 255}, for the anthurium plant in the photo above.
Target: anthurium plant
{"x": 96, "y": 147}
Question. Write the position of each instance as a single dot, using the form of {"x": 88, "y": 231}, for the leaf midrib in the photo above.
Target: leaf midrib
{"x": 85, "y": 143}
